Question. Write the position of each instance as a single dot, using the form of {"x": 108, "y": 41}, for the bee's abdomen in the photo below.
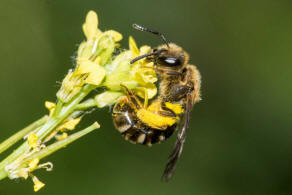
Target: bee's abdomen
{"x": 147, "y": 136}
{"x": 135, "y": 131}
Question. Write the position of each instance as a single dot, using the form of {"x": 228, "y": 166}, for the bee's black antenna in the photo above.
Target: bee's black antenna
{"x": 146, "y": 55}
{"x": 142, "y": 28}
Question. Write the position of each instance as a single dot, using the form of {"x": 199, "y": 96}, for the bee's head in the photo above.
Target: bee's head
{"x": 171, "y": 57}
{"x": 166, "y": 56}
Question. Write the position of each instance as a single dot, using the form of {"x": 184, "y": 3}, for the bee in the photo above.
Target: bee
{"x": 179, "y": 90}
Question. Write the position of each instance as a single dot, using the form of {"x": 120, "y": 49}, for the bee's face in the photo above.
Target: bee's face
{"x": 172, "y": 57}
{"x": 170, "y": 61}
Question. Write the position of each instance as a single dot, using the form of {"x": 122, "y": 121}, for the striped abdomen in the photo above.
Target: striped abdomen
{"x": 133, "y": 130}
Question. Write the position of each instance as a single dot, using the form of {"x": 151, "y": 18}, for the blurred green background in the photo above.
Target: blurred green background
{"x": 239, "y": 141}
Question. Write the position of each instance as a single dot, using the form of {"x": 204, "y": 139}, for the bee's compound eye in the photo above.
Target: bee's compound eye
{"x": 169, "y": 61}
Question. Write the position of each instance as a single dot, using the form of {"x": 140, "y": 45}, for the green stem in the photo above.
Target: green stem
{"x": 19, "y": 135}
{"x": 58, "y": 107}
{"x": 62, "y": 143}
{"x": 86, "y": 104}
{"x": 47, "y": 128}
{"x": 3, "y": 175}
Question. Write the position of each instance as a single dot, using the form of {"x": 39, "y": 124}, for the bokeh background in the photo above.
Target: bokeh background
{"x": 239, "y": 141}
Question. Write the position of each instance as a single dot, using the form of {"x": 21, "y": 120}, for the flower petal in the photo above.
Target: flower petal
{"x": 90, "y": 25}
{"x": 33, "y": 140}
{"x": 69, "y": 125}
{"x": 33, "y": 164}
{"x": 133, "y": 47}
{"x": 95, "y": 73}
{"x": 37, "y": 184}
{"x": 144, "y": 75}
{"x": 145, "y": 49}
{"x": 50, "y": 106}
{"x": 116, "y": 35}
{"x": 150, "y": 88}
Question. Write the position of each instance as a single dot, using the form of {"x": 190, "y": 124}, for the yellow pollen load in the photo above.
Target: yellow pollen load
{"x": 176, "y": 108}
{"x": 155, "y": 106}
{"x": 154, "y": 120}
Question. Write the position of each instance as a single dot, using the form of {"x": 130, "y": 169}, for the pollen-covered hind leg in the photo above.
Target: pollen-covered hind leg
{"x": 152, "y": 116}
{"x": 135, "y": 127}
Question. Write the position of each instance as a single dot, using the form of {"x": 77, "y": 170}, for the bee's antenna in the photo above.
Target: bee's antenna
{"x": 142, "y": 28}
{"x": 146, "y": 55}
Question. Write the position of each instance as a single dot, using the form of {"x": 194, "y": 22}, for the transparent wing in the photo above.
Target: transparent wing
{"x": 178, "y": 147}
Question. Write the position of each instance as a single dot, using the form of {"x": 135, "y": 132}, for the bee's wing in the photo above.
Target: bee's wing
{"x": 178, "y": 147}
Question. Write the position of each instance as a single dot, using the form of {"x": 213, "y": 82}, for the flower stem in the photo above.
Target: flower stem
{"x": 3, "y": 175}
{"x": 62, "y": 113}
{"x": 86, "y": 104}
{"x": 19, "y": 135}
{"x": 62, "y": 143}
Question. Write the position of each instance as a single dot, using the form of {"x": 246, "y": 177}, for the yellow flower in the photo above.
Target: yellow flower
{"x": 93, "y": 54}
{"x": 139, "y": 76}
{"x": 143, "y": 74}
{"x": 50, "y": 106}
{"x": 96, "y": 67}
{"x": 95, "y": 73}
{"x": 33, "y": 164}
{"x": 69, "y": 125}
{"x": 133, "y": 47}
{"x": 37, "y": 184}
{"x": 33, "y": 141}
{"x": 90, "y": 26}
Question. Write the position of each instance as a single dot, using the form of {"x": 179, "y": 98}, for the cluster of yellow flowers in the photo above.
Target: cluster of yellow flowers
{"x": 22, "y": 167}
{"x": 96, "y": 66}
